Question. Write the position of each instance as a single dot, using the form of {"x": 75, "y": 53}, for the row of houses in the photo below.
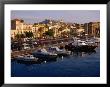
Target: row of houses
{"x": 59, "y": 28}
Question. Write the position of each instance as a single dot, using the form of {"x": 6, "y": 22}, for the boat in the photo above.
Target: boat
{"x": 44, "y": 54}
{"x": 25, "y": 46}
{"x": 80, "y": 46}
{"x": 29, "y": 59}
{"x": 59, "y": 52}
{"x": 96, "y": 40}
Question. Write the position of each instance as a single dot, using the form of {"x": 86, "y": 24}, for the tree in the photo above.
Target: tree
{"x": 17, "y": 36}
{"x": 22, "y": 35}
{"x": 40, "y": 30}
{"x": 49, "y": 33}
{"x": 22, "y": 21}
{"x": 75, "y": 34}
{"x": 31, "y": 34}
{"x": 28, "y": 34}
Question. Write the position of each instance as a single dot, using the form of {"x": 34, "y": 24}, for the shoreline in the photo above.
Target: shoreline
{"x": 14, "y": 54}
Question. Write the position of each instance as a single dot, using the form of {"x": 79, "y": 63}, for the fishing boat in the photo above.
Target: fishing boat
{"x": 44, "y": 54}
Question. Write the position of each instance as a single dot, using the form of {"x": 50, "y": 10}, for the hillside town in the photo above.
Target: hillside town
{"x": 53, "y": 28}
{"x": 52, "y": 34}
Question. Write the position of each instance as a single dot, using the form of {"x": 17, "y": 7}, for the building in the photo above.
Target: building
{"x": 19, "y": 27}
{"x": 60, "y": 28}
{"x": 92, "y": 28}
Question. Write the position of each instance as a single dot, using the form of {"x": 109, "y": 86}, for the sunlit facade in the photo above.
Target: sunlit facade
{"x": 59, "y": 28}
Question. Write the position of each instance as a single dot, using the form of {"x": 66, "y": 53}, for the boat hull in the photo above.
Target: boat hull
{"x": 44, "y": 56}
{"x": 27, "y": 61}
{"x": 63, "y": 54}
{"x": 83, "y": 48}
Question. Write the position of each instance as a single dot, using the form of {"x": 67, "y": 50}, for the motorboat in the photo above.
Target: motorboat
{"x": 44, "y": 54}
{"x": 80, "y": 46}
{"x": 26, "y": 59}
{"x": 96, "y": 40}
{"x": 25, "y": 46}
{"x": 89, "y": 42}
{"x": 59, "y": 52}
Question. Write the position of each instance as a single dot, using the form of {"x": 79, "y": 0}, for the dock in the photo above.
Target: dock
{"x": 14, "y": 54}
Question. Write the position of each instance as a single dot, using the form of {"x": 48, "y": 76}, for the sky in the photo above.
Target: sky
{"x": 73, "y": 16}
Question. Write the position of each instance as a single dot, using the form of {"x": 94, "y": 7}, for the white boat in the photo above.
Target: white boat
{"x": 89, "y": 42}
{"x": 44, "y": 54}
{"x": 59, "y": 52}
{"x": 26, "y": 59}
{"x": 80, "y": 45}
{"x": 97, "y": 40}
{"x": 25, "y": 46}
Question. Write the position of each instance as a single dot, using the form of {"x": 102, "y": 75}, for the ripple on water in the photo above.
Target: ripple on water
{"x": 73, "y": 66}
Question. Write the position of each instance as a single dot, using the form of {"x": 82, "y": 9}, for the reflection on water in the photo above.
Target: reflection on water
{"x": 77, "y": 64}
{"x": 39, "y": 61}
{"x": 47, "y": 60}
{"x": 83, "y": 54}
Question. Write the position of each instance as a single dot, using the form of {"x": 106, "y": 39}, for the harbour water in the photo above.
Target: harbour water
{"x": 76, "y": 65}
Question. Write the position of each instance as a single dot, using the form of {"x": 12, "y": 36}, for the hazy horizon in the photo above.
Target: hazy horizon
{"x": 73, "y": 16}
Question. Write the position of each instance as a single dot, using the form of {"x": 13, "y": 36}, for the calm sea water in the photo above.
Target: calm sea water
{"x": 76, "y": 65}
